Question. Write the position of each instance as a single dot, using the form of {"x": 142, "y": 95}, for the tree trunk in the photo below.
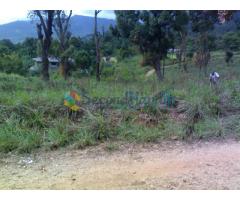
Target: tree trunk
{"x": 179, "y": 58}
{"x": 163, "y": 68}
{"x": 185, "y": 67}
{"x": 205, "y": 70}
{"x": 182, "y": 53}
{"x": 97, "y": 47}
{"x": 45, "y": 62}
{"x": 45, "y": 40}
{"x": 158, "y": 70}
{"x": 61, "y": 27}
{"x": 64, "y": 67}
{"x": 185, "y": 64}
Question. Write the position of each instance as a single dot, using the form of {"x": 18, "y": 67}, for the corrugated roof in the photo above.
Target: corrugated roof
{"x": 50, "y": 59}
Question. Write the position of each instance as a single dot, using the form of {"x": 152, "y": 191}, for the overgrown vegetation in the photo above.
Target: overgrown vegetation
{"x": 32, "y": 114}
{"x": 130, "y": 103}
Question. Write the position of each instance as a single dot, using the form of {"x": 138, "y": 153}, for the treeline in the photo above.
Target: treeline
{"x": 189, "y": 34}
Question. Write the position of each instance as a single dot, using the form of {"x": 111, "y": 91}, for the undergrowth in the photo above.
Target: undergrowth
{"x": 32, "y": 114}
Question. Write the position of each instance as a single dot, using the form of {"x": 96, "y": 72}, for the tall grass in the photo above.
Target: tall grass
{"x": 32, "y": 114}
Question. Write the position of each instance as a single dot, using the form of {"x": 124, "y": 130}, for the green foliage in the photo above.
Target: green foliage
{"x": 8, "y": 44}
{"x": 101, "y": 127}
{"x": 203, "y": 21}
{"x": 231, "y": 125}
{"x": 146, "y": 34}
{"x": 141, "y": 133}
{"x": 126, "y": 21}
{"x": 209, "y": 128}
{"x": 112, "y": 147}
{"x": 125, "y": 52}
{"x": 153, "y": 32}
{"x": 12, "y": 63}
{"x": 201, "y": 104}
{"x": 17, "y": 58}
{"x": 173, "y": 129}
{"x": 32, "y": 114}
{"x": 14, "y": 137}
{"x": 82, "y": 59}
{"x": 129, "y": 70}
{"x": 231, "y": 40}
{"x": 28, "y": 48}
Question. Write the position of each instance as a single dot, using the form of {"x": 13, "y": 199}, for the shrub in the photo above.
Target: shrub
{"x": 208, "y": 128}
{"x": 15, "y": 137}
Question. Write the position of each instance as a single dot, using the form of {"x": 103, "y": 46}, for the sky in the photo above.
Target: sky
{"x": 7, "y": 16}
{"x": 12, "y": 10}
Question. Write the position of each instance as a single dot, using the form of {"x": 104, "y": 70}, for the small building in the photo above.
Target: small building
{"x": 36, "y": 68}
{"x": 53, "y": 61}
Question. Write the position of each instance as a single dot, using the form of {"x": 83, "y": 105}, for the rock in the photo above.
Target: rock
{"x": 174, "y": 137}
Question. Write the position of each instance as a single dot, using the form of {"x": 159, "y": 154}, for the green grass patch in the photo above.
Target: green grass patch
{"x": 32, "y": 114}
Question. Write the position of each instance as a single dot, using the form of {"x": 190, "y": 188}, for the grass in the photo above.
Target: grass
{"x": 32, "y": 114}
{"x": 110, "y": 147}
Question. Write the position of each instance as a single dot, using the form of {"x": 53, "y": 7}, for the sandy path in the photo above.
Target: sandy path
{"x": 170, "y": 165}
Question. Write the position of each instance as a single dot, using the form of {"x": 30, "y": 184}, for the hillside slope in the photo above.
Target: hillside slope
{"x": 80, "y": 26}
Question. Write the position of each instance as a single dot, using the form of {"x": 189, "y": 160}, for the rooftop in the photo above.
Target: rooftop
{"x": 50, "y": 59}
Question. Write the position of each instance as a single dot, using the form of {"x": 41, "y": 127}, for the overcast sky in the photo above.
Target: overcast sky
{"x": 7, "y": 16}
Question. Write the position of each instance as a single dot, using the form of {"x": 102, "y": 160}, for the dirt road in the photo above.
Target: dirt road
{"x": 169, "y": 165}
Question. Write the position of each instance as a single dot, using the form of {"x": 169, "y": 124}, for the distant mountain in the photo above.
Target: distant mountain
{"x": 80, "y": 26}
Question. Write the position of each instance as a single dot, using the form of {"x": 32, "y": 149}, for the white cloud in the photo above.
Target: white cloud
{"x": 103, "y": 14}
{"x": 7, "y": 16}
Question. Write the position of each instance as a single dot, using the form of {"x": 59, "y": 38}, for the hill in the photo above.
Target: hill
{"x": 80, "y": 26}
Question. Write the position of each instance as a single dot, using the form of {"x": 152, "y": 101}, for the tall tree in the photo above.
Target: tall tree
{"x": 181, "y": 27}
{"x": 151, "y": 31}
{"x": 126, "y": 21}
{"x": 44, "y": 31}
{"x": 97, "y": 39}
{"x": 61, "y": 27}
{"x": 29, "y": 47}
{"x": 202, "y": 23}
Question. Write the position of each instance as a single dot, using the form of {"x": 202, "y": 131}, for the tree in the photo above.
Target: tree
{"x": 8, "y": 43}
{"x": 231, "y": 41}
{"x": 181, "y": 27}
{"x": 228, "y": 57}
{"x": 152, "y": 32}
{"x": 61, "y": 27}
{"x": 96, "y": 36}
{"x": 44, "y": 31}
{"x": 202, "y": 22}
{"x": 28, "y": 47}
{"x": 126, "y": 21}
{"x": 83, "y": 60}
{"x": 76, "y": 42}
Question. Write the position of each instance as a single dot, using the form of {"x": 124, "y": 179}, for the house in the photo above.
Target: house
{"x": 54, "y": 63}
{"x": 36, "y": 68}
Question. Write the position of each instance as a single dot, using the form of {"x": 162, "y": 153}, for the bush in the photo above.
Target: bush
{"x": 208, "y": 128}
{"x": 101, "y": 127}
{"x": 15, "y": 137}
{"x": 231, "y": 40}
{"x": 128, "y": 71}
{"x": 82, "y": 60}
{"x": 12, "y": 63}
{"x": 140, "y": 133}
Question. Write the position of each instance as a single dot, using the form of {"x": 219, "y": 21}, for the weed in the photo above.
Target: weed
{"x": 111, "y": 147}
